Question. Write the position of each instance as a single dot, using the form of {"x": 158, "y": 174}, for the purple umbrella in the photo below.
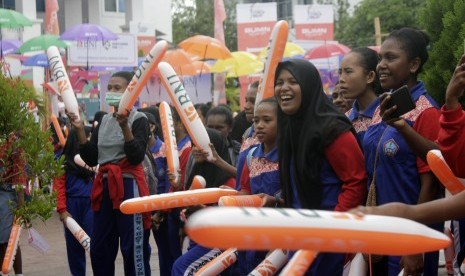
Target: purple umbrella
{"x": 9, "y": 46}
{"x": 88, "y": 32}
{"x": 40, "y": 60}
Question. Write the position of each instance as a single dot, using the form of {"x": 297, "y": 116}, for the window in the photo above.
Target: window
{"x": 40, "y": 5}
{"x": 8, "y": 4}
{"x": 115, "y": 6}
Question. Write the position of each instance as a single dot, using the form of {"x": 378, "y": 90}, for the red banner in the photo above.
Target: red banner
{"x": 144, "y": 44}
{"x": 314, "y": 22}
{"x": 51, "y": 17}
{"x": 254, "y": 25}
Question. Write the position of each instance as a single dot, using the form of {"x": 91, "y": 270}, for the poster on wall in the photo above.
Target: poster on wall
{"x": 314, "y": 22}
{"x": 254, "y": 25}
{"x": 120, "y": 52}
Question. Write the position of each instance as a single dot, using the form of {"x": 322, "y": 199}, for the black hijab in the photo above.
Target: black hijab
{"x": 70, "y": 150}
{"x": 213, "y": 175}
{"x": 304, "y": 135}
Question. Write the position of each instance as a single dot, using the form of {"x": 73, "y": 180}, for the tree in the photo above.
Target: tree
{"x": 198, "y": 19}
{"x": 358, "y": 30}
{"x": 444, "y": 21}
{"x": 15, "y": 117}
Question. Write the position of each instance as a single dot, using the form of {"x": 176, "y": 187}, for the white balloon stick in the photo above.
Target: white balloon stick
{"x": 58, "y": 71}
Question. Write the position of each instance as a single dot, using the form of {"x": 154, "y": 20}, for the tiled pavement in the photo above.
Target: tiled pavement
{"x": 55, "y": 261}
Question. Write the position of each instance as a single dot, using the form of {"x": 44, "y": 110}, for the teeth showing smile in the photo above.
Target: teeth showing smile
{"x": 286, "y": 97}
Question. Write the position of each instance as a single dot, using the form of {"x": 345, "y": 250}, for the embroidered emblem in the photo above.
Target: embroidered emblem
{"x": 262, "y": 165}
{"x": 390, "y": 147}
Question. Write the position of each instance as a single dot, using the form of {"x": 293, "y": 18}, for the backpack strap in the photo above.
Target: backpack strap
{"x": 249, "y": 156}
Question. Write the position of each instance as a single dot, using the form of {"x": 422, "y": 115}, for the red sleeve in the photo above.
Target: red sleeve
{"x": 245, "y": 179}
{"x": 427, "y": 125}
{"x": 60, "y": 188}
{"x": 183, "y": 159}
{"x": 231, "y": 182}
{"x": 451, "y": 139}
{"x": 346, "y": 158}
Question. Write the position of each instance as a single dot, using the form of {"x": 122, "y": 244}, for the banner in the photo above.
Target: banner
{"x": 145, "y": 43}
{"x": 84, "y": 83}
{"x": 219, "y": 80}
{"x": 145, "y": 33}
{"x": 120, "y": 52}
{"x": 51, "y": 17}
{"x": 254, "y": 25}
{"x": 220, "y": 16}
{"x": 314, "y": 22}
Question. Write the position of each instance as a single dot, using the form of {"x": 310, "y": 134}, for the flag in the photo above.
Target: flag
{"x": 220, "y": 16}
{"x": 51, "y": 17}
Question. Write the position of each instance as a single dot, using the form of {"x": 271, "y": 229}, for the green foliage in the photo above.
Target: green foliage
{"x": 358, "y": 30}
{"x": 232, "y": 94}
{"x": 40, "y": 206}
{"x": 199, "y": 19}
{"x": 38, "y": 150}
{"x": 445, "y": 22}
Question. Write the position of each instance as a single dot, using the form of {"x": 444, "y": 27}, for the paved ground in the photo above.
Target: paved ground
{"x": 54, "y": 262}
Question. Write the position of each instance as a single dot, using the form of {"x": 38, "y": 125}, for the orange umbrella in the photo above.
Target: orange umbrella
{"x": 202, "y": 67}
{"x": 181, "y": 61}
{"x": 205, "y": 47}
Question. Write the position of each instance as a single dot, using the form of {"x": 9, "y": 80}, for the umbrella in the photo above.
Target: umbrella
{"x": 291, "y": 50}
{"x": 181, "y": 61}
{"x": 9, "y": 46}
{"x": 88, "y": 32}
{"x": 41, "y": 43}
{"x": 11, "y": 19}
{"x": 376, "y": 48}
{"x": 205, "y": 47}
{"x": 240, "y": 64}
{"x": 327, "y": 50}
{"x": 201, "y": 67}
{"x": 40, "y": 60}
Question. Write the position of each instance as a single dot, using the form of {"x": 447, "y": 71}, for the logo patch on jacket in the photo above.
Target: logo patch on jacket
{"x": 390, "y": 147}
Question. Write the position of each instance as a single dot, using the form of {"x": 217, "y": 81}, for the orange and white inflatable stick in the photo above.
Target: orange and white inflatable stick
{"x": 58, "y": 71}
{"x": 78, "y": 233}
{"x": 241, "y": 200}
{"x": 174, "y": 200}
{"x": 323, "y": 231}
{"x": 58, "y": 131}
{"x": 219, "y": 264}
{"x": 198, "y": 183}
{"x": 299, "y": 263}
{"x": 11, "y": 248}
{"x": 274, "y": 55}
{"x": 271, "y": 264}
{"x": 167, "y": 125}
{"x": 443, "y": 172}
{"x": 358, "y": 266}
{"x": 78, "y": 160}
{"x": 185, "y": 108}
{"x": 141, "y": 76}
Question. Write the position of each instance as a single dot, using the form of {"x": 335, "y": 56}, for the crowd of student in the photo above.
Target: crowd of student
{"x": 296, "y": 150}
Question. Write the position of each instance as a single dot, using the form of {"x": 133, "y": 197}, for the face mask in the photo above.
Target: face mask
{"x": 113, "y": 98}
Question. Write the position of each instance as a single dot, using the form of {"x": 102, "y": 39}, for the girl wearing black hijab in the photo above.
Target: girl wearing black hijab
{"x": 321, "y": 164}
